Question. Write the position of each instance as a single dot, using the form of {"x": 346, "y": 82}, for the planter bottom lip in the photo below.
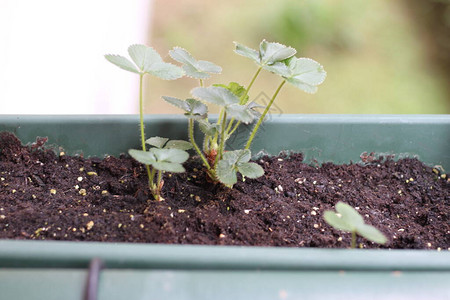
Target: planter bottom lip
{"x": 66, "y": 254}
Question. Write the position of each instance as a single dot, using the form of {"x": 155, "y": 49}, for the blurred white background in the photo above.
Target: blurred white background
{"x": 51, "y": 55}
{"x": 382, "y": 56}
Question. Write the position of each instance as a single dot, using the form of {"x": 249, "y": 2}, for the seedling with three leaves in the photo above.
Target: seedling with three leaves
{"x": 348, "y": 219}
{"x": 166, "y": 156}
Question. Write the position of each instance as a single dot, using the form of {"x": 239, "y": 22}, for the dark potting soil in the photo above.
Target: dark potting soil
{"x": 51, "y": 196}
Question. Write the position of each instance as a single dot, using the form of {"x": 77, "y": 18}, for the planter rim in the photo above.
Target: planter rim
{"x": 64, "y": 254}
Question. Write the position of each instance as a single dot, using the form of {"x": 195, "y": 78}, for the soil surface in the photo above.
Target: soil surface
{"x": 46, "y": 195}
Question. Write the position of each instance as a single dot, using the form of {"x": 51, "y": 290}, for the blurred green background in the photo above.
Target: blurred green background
{"x": 381, "y": 56}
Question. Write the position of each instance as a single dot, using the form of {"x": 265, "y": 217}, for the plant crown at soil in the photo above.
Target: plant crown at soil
{"x": 232, "y": 99}
{"x": 349, "y": 220}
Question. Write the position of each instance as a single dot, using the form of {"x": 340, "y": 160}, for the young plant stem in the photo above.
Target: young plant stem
{"x": 229, "y": 133}
{"x": 154, "y": 188}
{"x": 222, "y": 138}
{"x": 150, "y": 173}
{"x": 197, "y": 149}
{"x": 353, "y": 245}
{"x": 158, "y": 182}
{"x": 219, "y": 121}
{"x": 250, "y": 85}
{"x": 255, "y": 129}
{"x": 201, "y": 82}
{"x": 206, "y": 142}
{"x": 141, "y": 112}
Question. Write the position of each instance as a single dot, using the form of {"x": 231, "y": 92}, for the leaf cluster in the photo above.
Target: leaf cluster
{"x": 145, "y": 60}
{"x": 237, "y": 161}
{"x": 304, "y": 73}
{"x": 165, "y": 155}
{"x": 198, "y": 69}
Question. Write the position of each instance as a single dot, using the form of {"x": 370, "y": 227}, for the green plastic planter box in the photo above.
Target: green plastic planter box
{"x": 59, "y": 270}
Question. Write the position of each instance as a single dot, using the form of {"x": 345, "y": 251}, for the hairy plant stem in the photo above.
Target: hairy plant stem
{"x": 141, "y": 112}
{"x": 158, "y": 182}
{"x": 150, "y": 173}
{"x": 234, "y": 129}
{"x": 353, "y": 245}
{"x": 250, "y": 85}
{"x": 222, "y": 138}
{"x": 197, "y": 149}
{"x": 219, "y": 122}
{"x": 255, "y": 129}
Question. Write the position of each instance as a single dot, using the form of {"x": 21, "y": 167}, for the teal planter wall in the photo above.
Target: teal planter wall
{"x": 58, "y": 270}
{"x": 336, "y": 138}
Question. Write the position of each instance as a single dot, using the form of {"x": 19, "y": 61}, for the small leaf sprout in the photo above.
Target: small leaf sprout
{"x": 347, "y": 219}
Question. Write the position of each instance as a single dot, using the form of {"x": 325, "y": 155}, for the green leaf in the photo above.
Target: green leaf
{"x": 244, "y": 155}
{"x": 350, "y": 220}
{"x": 209, "y": 67}
{"x": 305, "y": 74}
{"x": 178, "y": 144}
{"x": 302, "y": 86}
{"x": 169, "y": 167}
{"x": 226, "y": 172}
{"x": 192, "y": 107}
{"x": 237, "y": 156}
{"x": 247, "y": 52}
{"x": 193, "y": 72}
{"x": 170, "y": 155}
{"x": 224, "y": 97}
{"x": 151, "y": 57}
{"x": 268, "y": 54}
{"x": 236, "y": 89}
{"x": 271, "y": 53}
{"x": 240, "y": 112}
{"x": 280, "y": 69}
{"x": 371, "y": 233}
{"x": 237, "y": 160}
{"x": 197, "y": 108}
{"x": 164, "y": 70}
{"x": 349, "y": 214}
{"x": 250, "y": 170}
{"x": 216, "y": 95}
{"x": 232, "y": 157}
{"x": 143, "y": 157}
{"x": 337, "y": 222}
{"x": 253, "y": 108}
{"x": 182, "y": 55}
{"x": 143, "y": 55}
{"x": 192, "y": 67}
{"x": 148, "y": 61}
{"x": 157, "y": 141}
{"x": 122, "y": 62}
{"x": 169, "y": 160}
{"x": 177, "y": 102}
{"x": 207, "y": 128}
{"x": 307, "y": 70}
